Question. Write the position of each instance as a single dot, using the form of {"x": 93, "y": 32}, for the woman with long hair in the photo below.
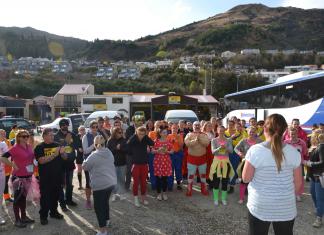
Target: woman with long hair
{"x": 316, "y": 172}
{"x": 22, "y": 161}
{"x": 241, "y": 149}
{"x": 221, "y": 169}
{"x": 101, "y": 168}
{"x": 208, "y": 130}
{"x": 301, "y": 147}
{"x": 79, "y": 158}
{"x": 117, "y": 145}
{"x": 273, "y": 172}
{"x": 162, "y": 162}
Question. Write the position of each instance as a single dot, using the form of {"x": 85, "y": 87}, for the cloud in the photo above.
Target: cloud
{"x": 305, "y": 4}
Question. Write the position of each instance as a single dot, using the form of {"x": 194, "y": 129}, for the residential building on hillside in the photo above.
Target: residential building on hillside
{"x": 61, "y": 67}
{"x": 228, "y": 54}
{"x": 164, "y": 63}
{"x": 250, "y": 52}
{"x": 272, "y": 52}
{"x": 272, "y": 76}
{"x": 144, "y": 65}
{"x": 290, "y": 52}
{"x": 105, "y": 72}
{"x": 190, "y": 67}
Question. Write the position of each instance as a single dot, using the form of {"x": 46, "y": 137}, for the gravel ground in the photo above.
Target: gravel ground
{"x": 178, "y": 215}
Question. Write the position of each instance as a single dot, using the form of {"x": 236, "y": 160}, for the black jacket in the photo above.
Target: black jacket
{"x": 317, "y": 160}
{"x": 70, "y": 148}
{"x": 119, "y": 155}
{"x": 138, "y": 149}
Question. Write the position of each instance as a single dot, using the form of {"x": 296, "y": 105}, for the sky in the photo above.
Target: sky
{"x": 120, "y": 19}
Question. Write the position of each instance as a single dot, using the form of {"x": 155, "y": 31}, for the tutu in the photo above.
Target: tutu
{"x": 29, "y": 187}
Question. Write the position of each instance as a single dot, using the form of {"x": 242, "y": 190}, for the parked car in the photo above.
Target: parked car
{"x": 180, "y": 114}
{"x": 75, "y": 120}
{"x": 7, "y": 123}
{"x": 103, "y": 114}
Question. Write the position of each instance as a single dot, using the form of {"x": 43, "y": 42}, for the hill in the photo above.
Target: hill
{"x": 23, "y": 42}
{"x": 244, "y": 26}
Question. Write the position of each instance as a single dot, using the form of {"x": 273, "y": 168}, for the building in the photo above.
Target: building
{"x": 40, "y": 109}
{"x": 61, "y": 67}
{"x": 154, "y": 106}
{"x": 298, "y": 68}
{"x": 190, "y": 67}
{"x": 68, "y": 98}
{"x": 11, "y": 106}
{"x": 228, "y": 54}
{"x": 105, "y": 72}
{"x": 250, "y": 52}
{"x": 163, "y": 64}
{"x": 187, "y": 59}
{"x": 129, "y": 73}
{"x": 146, "y": 65}
{"x": 272, "y": 52}
{"x": 307, "y": 52}
{"x": 272, "y": 76}
{"x": 289, "y": 52}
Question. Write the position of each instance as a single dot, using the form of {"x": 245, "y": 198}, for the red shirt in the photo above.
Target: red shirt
{"x": 23, "y": 158}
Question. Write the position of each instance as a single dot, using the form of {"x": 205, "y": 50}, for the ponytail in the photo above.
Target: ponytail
{"x": 275, "y": 127}
{"x": 99, "y": 142}
{"x": 276, "y": 149}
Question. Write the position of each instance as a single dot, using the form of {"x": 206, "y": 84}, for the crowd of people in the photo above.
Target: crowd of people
{"x": 268, "y": 159}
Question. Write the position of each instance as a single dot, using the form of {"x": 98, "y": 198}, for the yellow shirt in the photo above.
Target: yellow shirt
{"x": 12, "y": 134}
{"x": 237, "y": 137}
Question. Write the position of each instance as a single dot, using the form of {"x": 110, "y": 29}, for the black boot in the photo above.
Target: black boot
{"x": 231, "y": 190}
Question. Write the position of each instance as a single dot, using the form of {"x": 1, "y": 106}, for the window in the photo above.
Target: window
{"x": 117, "y": 100}
{"x": 94, "y": 100}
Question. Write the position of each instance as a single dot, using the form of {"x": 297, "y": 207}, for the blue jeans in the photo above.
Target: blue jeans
{"x": 176, "y": 168}
{"x": 67, "y": 184}
{"x": 151, "y": 169}
{"x": 317, "y": 193}
{"x": 120, "y": 186}
{"x": 235, "y": 161}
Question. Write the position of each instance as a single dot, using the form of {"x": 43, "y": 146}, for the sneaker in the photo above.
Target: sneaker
{"x": 64, "y": 208}
{"x": 20, "y": 224}
{"x": 56, "y": 215}
{"x": 136, "y": 201}
{"x": 109, "y": 224}
{"x": 2, "y": 221}
{"x": 159, "y": 197}
{"x": 122, "y": 197}
{"x": 27, "y": 220}
{"x": 164, "y": 196}
{"x": 71, "y": 203}
{"x": 113, "y": 197}
{"x": 43, "y": 221}
{"x": 88, "y": 205}
{"x": 240, "y": 202}
{"x": 318, "y": 222}
{"x": 179, "y": 187}
{"x": 145, "y": 202}
{"x": 9, "y": 200}
{"x": 224, "y": 202}
{"x": 298, "y": 199}
{"x": 216, "y": 203}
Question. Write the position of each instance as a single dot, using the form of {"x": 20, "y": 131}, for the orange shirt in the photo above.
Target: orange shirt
{"x": 152, "y": 135}
{"x": 176, "y": 141}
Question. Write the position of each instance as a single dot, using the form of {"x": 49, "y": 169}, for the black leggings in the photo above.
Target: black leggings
{"x": 216, "y": 181}
{"x": 87, "y": 178}
{"x": 101, "y": 205}
{"x": 259, "y": 227}
{"x": 6, "y": 189}
{"x": 161, "y": 182}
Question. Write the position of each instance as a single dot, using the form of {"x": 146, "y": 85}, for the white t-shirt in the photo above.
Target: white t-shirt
{"x": 3, "y": 149}
{"x": 272, "y": 193}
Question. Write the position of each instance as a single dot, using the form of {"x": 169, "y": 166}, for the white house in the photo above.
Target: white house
{"x": 250, "y": 52}
{"x": 190, "y": 67}
{"x": 272, "y": 76}
{"x": 164, "y": 63}
{"x": 228, "y": 54}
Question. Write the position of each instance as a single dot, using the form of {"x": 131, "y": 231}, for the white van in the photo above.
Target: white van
{"x": 103, "y": 114}
{"x": 176, "y": 115}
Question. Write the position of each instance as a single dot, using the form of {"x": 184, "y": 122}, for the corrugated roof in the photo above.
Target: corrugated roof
{"x": 74, "y": 89}
{"x": 148, "y": 98}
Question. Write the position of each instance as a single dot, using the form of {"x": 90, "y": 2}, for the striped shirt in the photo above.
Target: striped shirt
{"x": 272, "y": 193}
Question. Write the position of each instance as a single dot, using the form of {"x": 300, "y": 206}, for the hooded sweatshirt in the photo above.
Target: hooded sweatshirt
{"x": 100, "y": 165}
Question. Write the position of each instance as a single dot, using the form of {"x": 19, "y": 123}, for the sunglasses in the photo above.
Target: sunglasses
{"x": 24, "y": 136}
{"x": 94, "y": 127}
